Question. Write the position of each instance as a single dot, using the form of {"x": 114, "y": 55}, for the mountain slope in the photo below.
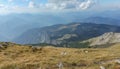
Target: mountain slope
{"x": 107, "y": 38}
{"x": 65, "y": 33}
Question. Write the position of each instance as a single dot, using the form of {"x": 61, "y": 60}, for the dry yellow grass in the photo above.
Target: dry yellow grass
{"x": 25, "y": 57}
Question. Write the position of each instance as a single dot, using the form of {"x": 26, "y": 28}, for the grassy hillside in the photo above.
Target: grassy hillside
{"x": 13, "y": 56}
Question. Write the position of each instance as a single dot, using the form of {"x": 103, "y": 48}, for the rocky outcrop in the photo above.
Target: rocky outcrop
{"x": 107, "y": 38}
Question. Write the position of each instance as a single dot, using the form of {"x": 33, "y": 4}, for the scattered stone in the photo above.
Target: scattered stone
{"x": 117, "y": 61}
{"x": 2, "y": 46}
{"x": 63, "y": 53}
{"x": 102, "y": 67}
{"x": 86, "y": 51}
{"x": 34, "y": 49}
{"x": 60, "y": 65}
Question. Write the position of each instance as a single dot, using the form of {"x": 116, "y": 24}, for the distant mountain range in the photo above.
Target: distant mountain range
{"x": 3, "y": 38}
{"x": 65, "y": 33}
{"x": 102, "y": 20}
{"x": 13, "y": 26}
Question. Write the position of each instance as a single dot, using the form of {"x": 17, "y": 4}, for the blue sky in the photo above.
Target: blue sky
{"x": 37, "y": 6}
{"x": 43, "y": 1}
{"x": 109, "y": 1}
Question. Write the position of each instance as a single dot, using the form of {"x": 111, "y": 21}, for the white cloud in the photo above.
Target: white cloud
{"x": 31, "y": 4}
{"x": 69, "y": 4}
{"x": 51, "y": 5}
{"x": 85, "y": 5}
{"x": 1, "y": 5}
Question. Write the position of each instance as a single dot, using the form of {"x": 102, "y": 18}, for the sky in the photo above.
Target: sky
{"x": 38, "y": 6}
